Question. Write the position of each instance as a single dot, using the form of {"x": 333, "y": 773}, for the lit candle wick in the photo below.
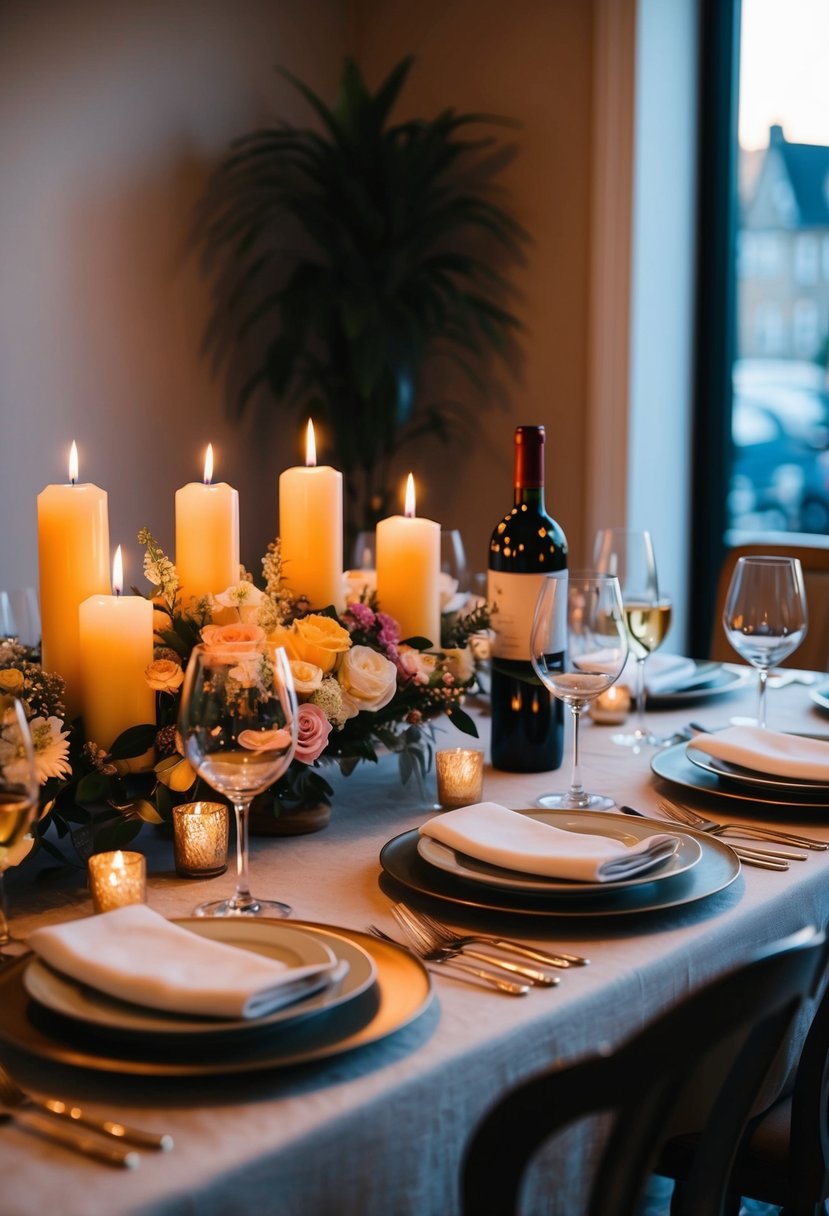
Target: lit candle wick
{"x": 73, "y": 463}
{"x": 208, "y": 465}
{"x": 118, "y": 581}
{"x": 409, "y": 509}
{"x": 310, "y": 446}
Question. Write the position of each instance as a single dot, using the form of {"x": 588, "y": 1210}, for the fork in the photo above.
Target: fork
{"x": 450, "y": 963}
{"x": 693, "y": 819}
{"x": 424, "y": 938}
{"x": 752, "y": 857}
{"x": 15, "y": 1098}
{"x": 442, "y": 935}
{"x": 71, "y": 1137}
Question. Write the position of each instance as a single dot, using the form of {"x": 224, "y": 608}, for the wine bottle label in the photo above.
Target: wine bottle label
{"x": 514, "y": 597}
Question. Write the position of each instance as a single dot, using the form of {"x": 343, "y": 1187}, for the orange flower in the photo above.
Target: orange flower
{"x": 233, "y": 639}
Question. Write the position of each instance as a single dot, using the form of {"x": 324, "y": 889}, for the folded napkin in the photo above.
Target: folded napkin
{"x": 136, "y": 955}
{"x": 768, "y": 751}
{"x": 505, "y": 838}
{"x": 663, "y": 672}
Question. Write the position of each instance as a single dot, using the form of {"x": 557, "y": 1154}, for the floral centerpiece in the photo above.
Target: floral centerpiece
{"x": 361, "y": 690}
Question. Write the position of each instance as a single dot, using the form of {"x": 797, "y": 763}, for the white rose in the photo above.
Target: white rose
{"x": 460, "y": 663}
{"x": 307, "y": 677}
{"x": 368, "y": 680}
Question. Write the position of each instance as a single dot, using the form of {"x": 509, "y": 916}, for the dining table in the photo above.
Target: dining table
{"x": 377, "y": 1123}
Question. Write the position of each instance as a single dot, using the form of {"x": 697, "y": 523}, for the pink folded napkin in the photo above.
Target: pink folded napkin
{"x": 136, "y": 955}
{"x": 768, "y": 751}
{"x": 514, "y": 841}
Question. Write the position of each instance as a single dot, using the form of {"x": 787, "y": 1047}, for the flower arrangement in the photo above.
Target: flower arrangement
{"x": 360, "y": 687}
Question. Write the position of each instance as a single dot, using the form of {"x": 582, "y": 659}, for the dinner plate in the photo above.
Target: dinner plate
{"x": 672, "y": 764}
{"x": 820, "y": 696}
{"x": 400, "y": 994}
{"x": 756, "y": 780}
{"x": 717, "y": 868}
{"x": 711, "y": 680}
{"x": 461, "y": 864}
{"x": 286, "y": 943}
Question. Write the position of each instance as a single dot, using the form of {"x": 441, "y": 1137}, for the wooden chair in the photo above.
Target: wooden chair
{"x": 784, "y": 1159}
{"x": 643, "y": 1083}
{"x": 813, "y": 652}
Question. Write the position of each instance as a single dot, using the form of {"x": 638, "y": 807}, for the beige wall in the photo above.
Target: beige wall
{"x": 109, "y": 120}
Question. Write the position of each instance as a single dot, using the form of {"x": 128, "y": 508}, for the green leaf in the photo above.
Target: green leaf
{"x": 116, "y": 834}
{"x": 134, "y": 741}
{"x": 94, "y": 788}
{"x": 417, "y": 643}
{"x": 460, "y": 718}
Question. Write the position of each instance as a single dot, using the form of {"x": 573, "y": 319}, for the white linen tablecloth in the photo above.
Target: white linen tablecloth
{"x": 381, "y": 1131}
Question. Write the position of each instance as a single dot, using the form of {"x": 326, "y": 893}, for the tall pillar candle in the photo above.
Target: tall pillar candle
{"x": 311, "y": 529}
{"x": 408, "y": 571}
{"x": 73, "y": 554}
{"x": 207, "y": 536}
{"x": 116, "y": 647}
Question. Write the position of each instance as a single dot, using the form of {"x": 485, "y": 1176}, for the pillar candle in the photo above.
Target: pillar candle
{"x": 311, "y": 529}
{"x": 116, "y": 646}
{"x": 408, "y": 571}
{"x": 73, "y": 552}
{"x": 207, "y": 536}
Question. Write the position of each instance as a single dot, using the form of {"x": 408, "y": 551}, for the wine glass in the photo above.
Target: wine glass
{"x": 578, "y": 647}
{"x": 19, "y": 789}
{"x": 25, "y": 616}
{"x": 364, "y": 553}
{"x": 629, "y": 555}
{"x": 454, "y": 583}
{"x": 238, "y": 720}
{"x": 765, "y": 616}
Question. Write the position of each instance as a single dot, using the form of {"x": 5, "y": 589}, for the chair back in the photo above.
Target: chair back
{"x": 642, "y": 1084}
{"x": 813, "y": 652}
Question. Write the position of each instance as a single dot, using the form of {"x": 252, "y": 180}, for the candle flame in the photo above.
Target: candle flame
{"x": 118, "y": 859}
{"x": 73, "y": 463}
{"x": 118, "y": 587}
{"x": 208, "y": 465}
{"x": 409, "y": 509}
{"x": 310, "y": 445}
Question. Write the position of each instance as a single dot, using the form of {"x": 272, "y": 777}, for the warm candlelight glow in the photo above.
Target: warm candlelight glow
{"x": 117, "y": 879}
{"x": 460, "y": 776}
{"x": 208, "y": 465}
{"x": 200, "y": 831}
{"x": 409, "y": 508}
{"x": 117, "y": 572}
{"x": 310, "y": 446}
{"x": 73, "y": 463}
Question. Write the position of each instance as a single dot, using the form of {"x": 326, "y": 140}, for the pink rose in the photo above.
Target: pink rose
{"x": 312, "y": 733}
{"x": 233, "y": 639}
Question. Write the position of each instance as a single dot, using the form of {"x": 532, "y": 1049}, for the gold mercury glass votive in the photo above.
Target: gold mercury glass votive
{"x": 612, "y": 706}
{"x": 200, "y": 831}
{"x": 460, "y": 774}
{"x": 117, "y": 879}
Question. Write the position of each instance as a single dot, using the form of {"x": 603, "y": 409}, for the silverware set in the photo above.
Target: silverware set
{"x": 66, "y": 1123}
{"x": 502, "y": 964}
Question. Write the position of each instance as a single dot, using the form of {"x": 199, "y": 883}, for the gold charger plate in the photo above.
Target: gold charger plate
{"x": 401, "y": 993}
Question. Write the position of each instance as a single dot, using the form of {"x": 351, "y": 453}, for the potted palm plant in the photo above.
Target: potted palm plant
{"x": 343, "y": 259}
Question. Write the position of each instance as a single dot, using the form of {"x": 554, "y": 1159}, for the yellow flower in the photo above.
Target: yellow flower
{"x": 307, "y": 677}
{"x": 164, "y": 675}
{"x": 176, "y": 773}
{"x": 318, "y": 640}
{"x": 11, "y": 680}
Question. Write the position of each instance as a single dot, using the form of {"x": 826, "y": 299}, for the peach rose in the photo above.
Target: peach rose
{"x": 233, "y": 639}
{"x": 420, "y": 665}
{"x": 317, "y": 639}
{"x": 164, "y": 675}
{"x": 307, "y": 677}
{"x": 368, "y": 680}
{"x": 265, "y": 740}
{"x": 11, "y": 680}
{"x": 312, "y": 736}
{"x": 460, "y": 662}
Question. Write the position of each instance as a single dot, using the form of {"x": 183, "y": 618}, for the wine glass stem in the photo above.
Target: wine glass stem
{"x": 761, "y": 699}
{"x": 5, "y": 933}
{"x": 242, "y": 900}
{"x": 640, "y": 730}
{"x": 576, "y": 794}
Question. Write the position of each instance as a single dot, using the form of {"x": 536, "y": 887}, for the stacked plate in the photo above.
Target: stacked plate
{"x": 700, "y": 867}
{"x": 376, "y": 989}
{"x": 686, "y": 765}
{"x": 703, "y": 680}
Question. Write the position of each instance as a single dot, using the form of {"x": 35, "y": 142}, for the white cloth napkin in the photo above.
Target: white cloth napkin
{"x": 768, "y": 751}
{"x": 663, "y": 672}
{"x": 513, "y": 841}
{"x": 136, "y": 955}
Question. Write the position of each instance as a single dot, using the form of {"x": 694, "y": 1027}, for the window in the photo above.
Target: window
{"x": 807, "y": 260}
{"x": 806, "y": 329}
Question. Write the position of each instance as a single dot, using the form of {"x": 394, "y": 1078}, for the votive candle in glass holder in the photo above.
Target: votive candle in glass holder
{"x": 460, "y": 775}
{"x": 117, "y": 879}
{"x": 200, "y": 831}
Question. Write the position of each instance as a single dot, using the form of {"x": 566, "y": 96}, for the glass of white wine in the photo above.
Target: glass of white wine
{"x": 765, "y": 616}
{"x": 630, "y": 556}
{"x": 580, "y": 615}
{"x": 19, "y": 790}
{"x": 238, "y": 720}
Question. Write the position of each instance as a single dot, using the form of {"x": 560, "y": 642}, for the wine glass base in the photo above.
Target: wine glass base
{"x": 634, "y": 739}
{"x": 563, "y": 802}
{"x": 258, "y": 907}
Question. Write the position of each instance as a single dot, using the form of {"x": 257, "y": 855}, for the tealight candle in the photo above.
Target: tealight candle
{"x": 460, "y": 776}
{"x": 408, "y": 570}
{"x": 73, "y": 549}
{"x": 117, "y": 879}
{"x": 311, "y": 528}
{"x": 200, "y": 839}
{"x": 612, "y": 706}
{"x": 207, "y": 535}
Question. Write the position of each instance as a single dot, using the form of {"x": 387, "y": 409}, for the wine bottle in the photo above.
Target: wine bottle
{"x": 526, "y": 546}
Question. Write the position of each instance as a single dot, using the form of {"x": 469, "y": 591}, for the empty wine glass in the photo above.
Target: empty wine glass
{"x": 578, "y": 647}
{"x": 19, "y": 789}
{"x": 364, "y": 553}
{"x": 454, "y": 582}
{"x": 25, "y": 616}
{"x": 238, "y": 720}
{"x": 629, "y": 555}
{"x": 765, "y": 616}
